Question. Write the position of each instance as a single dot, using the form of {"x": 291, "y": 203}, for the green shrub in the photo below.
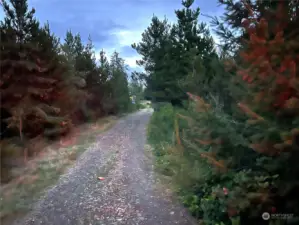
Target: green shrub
{"x": 159, "y": 105}
{"x": 161, "y": 127}
{"x": 196, "y": 161}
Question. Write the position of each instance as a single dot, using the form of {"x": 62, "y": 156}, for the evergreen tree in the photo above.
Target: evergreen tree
{"x": 47, "y": 87}
{"x": 31, "y": 80}
{"x": 104, "y": 67}
{"x": 230, "y": 29}
{"x": 103, "y": 60}
{"x": 136, "y": 91}
{"x": 47, "y": 42}
{"x": 79, "y": 54}
{"x": 97, "y": 82}
{"x": 169, "y": 53}
{"x": 153, "y": 49}
{"x": 89, "y": 55}
{"x": 19, "y": 23}
{"x": 80, "y": 58}
{"x": 119, "y": 82}
{"x": 68, "y": 48}
{"x": 253, "y": 150}
{"x": 195, "y": 47}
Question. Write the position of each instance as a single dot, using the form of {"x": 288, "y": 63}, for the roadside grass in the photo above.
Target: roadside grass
{"x": 173, "y": 170}
{"x": 19, "y": 195}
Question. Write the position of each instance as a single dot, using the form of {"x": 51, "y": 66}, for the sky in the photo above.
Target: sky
{"x": 112, "y": 24}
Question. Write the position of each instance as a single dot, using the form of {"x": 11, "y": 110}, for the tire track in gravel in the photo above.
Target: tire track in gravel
{"x": 129, "y": 193}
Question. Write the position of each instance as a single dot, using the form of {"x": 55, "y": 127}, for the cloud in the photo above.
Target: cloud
{"x": 131, "y": 61}
{"x": 128, "y": 37}
{"x": 127, "y": 51}
{"x": 100, "y": 35}
{"x": 125, "y": 39}
{"x": 112, "y": 24}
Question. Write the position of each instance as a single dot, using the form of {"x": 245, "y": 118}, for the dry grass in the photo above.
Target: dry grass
{"x": 19, "y": 195}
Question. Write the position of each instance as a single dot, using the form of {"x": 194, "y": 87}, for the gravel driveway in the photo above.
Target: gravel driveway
{"x": 129, "y": 194}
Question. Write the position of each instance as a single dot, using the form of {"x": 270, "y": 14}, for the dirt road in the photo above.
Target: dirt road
{"x": 129, "y": 193}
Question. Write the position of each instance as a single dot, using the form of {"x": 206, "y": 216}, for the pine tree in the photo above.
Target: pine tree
{"x": 119, "y": 82}
{"x": 195, "y": 50}
{"x": 31, "y": 80}
{"x": 89, "y": 55}
{"x": 269, "y": 69}
{"x": 189, "y": 33}
{"x": 97, "y": 82}
{"x": 101, "y": 86}
{"x": 253, "y": 151}
{"x": 68, "y": 49}
{"x": 136, "y": 91}
{"x": 231, "y": 31}
{"x": 80, "y": 58}
{"x": 47, "y": 42}
{"x": 169, "y": 53}
{"x": 19, "y": 20}
{"x": 153, "y": 48}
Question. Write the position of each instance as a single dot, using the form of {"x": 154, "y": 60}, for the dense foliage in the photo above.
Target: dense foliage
{"x": 233, "y": 150}
{"x": 48, "y": 86}
{"x": 168, "y": 52}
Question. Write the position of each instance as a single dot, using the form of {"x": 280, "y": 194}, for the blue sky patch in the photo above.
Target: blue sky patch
{"x": 112, "y": 24}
